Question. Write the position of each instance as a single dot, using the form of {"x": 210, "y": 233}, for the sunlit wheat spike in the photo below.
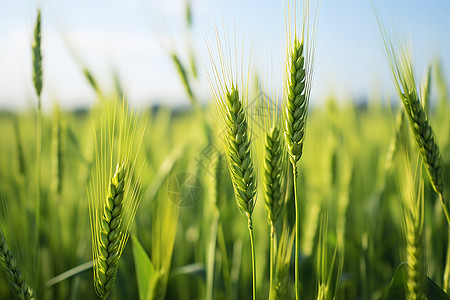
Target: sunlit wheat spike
{"x": 184, "y": 78}
{"x": 273, "y": 174}
{"x": 296, "y": 104}
{"x": 300, "y": 62}
{"x": 400, "y": 63}
{"x": 425, "y": 139}
{"x": 412, "y": 195}
{"x": 12, "y": 270}
{"x": 57, "y": 162}
{"x": 114, "y": 192}
{"x": 299, "y": 73}
{"x": 110, "y": 234}
{"x": 237, "y": 148}
{"x": 37, "y": 56}
{"x": 231, "y": 100}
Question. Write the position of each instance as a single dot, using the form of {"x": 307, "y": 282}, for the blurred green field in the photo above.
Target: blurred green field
{"x": 188, "y": 239}
{"x": 343, "y": 173}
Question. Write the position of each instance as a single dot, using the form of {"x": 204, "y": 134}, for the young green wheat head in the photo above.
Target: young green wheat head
{"x": 412, "y": 199}
{"x": 271, "y": 154}
{"x": 13, "y": 272}
{"x": 398, "y": 57}
{"x": 230, "y": 93}
{"x": 114, "y": 192}
{"x": 299, "y": 72}
{"x": 37, "y": 57}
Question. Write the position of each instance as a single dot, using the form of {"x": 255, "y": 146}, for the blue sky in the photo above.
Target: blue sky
{"x": 134, "y": 38}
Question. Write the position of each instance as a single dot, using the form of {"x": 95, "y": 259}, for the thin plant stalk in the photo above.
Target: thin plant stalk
{"x": 211, "y": 259}
{"x": 272, "y": 256}
{"x": 225, "y": 263}
{"x": 37, "y": 81}
{"x": 216, "y": 236}
{"x": 447, "y": 266}
{"x": 232, "y": 111}
{"x": 297, "y": 235}
{"x": 252, "y": 244}
{"x": 399, "y": 60}
{"x": 447, "y": 260}
{"x": 299, "y": 72}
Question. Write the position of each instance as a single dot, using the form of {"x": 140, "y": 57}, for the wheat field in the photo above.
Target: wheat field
{"x": 255, "y": 195}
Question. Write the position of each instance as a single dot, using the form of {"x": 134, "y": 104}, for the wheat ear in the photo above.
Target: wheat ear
{"x": 273, "y": 185}
{"x": 298, "y": 86}
{"x": 114, "y": 194}
{"x": 237, "y": 148}
{"x": 296, "y": 104}
{"x": 110, "y": 234}
{"x": 231, "y": 112}
{"x": 400, "y": 63}
{"x": 273, "y": 181}
{"x": 37, "y": 57}
{"x": 37, "y": 81}
{"x": 12, "y": 270}
{"x": 295, "y": 120}
{"x": 425, "y": 139}
{"x": 413, "y": 224}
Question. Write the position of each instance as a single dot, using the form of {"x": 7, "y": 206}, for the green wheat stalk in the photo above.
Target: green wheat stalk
{"x": 300, "y": 59}
{"x": 279, "y": 288}
{"x": 326, "y": 268}
{"x": 399, "y": 60}
{"x": 412, "y": 195}
{"x": 114, "y": 192}
{"x": 57, "y": 163}
{"x": 272, "y": 158}
{"x": 231, "y": 102}
{"x": 37, "y": 81}
{"x": 19, "y": 149}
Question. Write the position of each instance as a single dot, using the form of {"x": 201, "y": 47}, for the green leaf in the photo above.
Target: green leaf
{"x": 434, "y": 292}
{"x": 397, "y": 286}
{"x": 195, "y": 270}
{"x": 144, "y": 269}
{"x": 68, "y": 274}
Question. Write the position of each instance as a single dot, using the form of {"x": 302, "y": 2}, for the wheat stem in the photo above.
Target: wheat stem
{"x": 297, "y": 235}
{"x": 252, "y": 244}
{"x": 37, "y": 81}
{"x": 446, "y": 213}
{"x": 38, "y": 183}
{"x": 447, "y": 260}
{"x": 272, "y": 257}
{"x": 211, "y": 259}
{"x": 225, "y": 263}
{"x": 447, "y": 265}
